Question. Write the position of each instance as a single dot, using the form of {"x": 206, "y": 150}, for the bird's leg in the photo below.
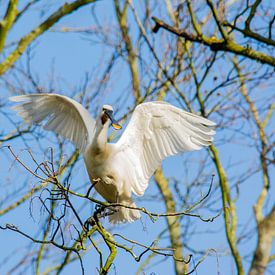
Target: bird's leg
{"x": 95, "y": 181}
{"x": 113, "y": 209}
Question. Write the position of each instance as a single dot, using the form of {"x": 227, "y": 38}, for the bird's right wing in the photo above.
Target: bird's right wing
{"x": 64, "y": 116}
{"x": 158, "y": 130}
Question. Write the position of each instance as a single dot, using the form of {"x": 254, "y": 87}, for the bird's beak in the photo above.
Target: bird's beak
{"x": 114, "y": 122}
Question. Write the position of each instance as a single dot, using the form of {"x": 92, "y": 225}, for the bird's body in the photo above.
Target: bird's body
{"x": 109, "y": 175}
{"x": 155, "y": 131}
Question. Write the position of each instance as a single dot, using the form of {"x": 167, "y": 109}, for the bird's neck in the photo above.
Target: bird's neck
{"x": 100, "y": 138}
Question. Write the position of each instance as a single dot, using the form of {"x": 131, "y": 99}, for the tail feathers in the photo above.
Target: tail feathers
{"x": 122, "y": 214}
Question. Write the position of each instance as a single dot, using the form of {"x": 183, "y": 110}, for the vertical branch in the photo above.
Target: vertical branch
{"x": 174, "y": 226}
{"x": 172, "y": 221}
{"x": 194, "y": 22}
{"x": 217, "y": 20}
{"x": 229, "y": 208}
{"x": 7, "y": 22}
{"x": 132, "y": 56}
{"x": 108, "y": 238}
{"x": 263, "y": 140}
{"x": 265, "y": 225}
{"x": 177, "y": 62}
{"x": 266, "y": 235}
{"x": 76, "y": 245}
{"x": 45, "y": 235}
{"x": 230, "y": 215}
{"x": 252, "y": 14}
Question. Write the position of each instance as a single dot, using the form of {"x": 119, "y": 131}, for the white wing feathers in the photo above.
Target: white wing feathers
{"x": 64, "y": 116}
{"x": 158, "y": 130}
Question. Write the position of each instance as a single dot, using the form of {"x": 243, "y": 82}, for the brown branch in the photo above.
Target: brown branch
{"x": 194, "y": 22}
{"x": 252, "y": 13}
{"x": 217, "y": 20}
{"x": 270, "y": 27}
{"x": 216, "y": 44}
{"x": 251, "y": 34}
{"x": 152, "y": 215}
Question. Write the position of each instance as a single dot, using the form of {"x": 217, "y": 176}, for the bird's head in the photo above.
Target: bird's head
{"x": 107, "y": 114}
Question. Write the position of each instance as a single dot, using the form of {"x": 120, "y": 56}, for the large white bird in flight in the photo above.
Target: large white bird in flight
{"x": 156, "y": 130}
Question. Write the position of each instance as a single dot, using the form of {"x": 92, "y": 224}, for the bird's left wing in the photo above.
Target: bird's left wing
{"x": 64, "y": 116}
{"x": 158, "y": 130}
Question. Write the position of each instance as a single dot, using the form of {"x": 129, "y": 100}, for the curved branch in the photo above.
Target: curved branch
{"x": 31, "y": 36}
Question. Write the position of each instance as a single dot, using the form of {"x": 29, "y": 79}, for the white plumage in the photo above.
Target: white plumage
{"x": 156, "y": 130}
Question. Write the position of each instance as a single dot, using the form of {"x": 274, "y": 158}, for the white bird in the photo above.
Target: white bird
{"x": 156, "y": 130}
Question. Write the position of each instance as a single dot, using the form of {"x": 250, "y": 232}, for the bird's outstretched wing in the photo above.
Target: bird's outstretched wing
{"x": 158, "y": 130}
{"x": 64, "y": 116}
